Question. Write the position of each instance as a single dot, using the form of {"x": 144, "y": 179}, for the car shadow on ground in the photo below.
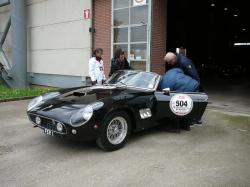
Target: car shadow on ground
{"x": 91, "y": 146}
{"x": 148, "y": 132}
{"x": 72, "y": 145}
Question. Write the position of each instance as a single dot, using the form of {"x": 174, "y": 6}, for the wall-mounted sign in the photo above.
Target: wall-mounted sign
{"x": 139, "y": 2}
{"x": 86, "y": 13}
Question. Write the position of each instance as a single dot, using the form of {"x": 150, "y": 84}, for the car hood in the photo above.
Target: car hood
{"x": 82, "y": 96}
{"x": 70, "y": 101}
{"x": 88, "y": 94}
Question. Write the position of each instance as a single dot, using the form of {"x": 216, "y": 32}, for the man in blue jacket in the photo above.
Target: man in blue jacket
{"x": 177, "y": 80}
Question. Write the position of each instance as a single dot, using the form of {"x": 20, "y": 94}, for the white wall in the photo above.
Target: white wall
{"x": 59, "y": 41}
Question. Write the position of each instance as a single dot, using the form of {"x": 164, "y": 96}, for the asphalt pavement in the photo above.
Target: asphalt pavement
{"x": 215, "y": 154}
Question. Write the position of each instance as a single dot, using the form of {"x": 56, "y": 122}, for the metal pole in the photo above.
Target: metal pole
{"x": 5, "y": 32}
{"x": 2, "y": 54}
{"x": 19, "y": 43}
{"x": 4, "y": 59}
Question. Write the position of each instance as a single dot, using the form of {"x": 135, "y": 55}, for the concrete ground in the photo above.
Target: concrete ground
{"x": 230, "y": 97}
{"x": 215, "y": 154}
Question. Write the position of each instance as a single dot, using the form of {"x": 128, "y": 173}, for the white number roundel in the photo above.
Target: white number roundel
{"x": 181, "y": 104}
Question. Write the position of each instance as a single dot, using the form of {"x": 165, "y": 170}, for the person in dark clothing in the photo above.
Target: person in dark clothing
{"x": 184, "y": 63}
{"x": 119, "y": 62}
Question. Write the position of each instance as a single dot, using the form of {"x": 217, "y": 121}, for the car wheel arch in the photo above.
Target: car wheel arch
{"x": 128, "y": 111}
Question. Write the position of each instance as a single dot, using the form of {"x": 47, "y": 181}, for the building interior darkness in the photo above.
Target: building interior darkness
{"x": 216, "y": 35}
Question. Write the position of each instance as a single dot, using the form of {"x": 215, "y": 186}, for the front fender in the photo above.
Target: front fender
{"x": 131, "y": 112}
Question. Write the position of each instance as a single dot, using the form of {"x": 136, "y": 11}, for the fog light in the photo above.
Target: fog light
{"x": 59, "y": 127}
{"x": 73, "y": 131}
{"x": 38, "y": 120}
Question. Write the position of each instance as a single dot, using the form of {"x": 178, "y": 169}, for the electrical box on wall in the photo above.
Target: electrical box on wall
{"x": 92, "y": 30}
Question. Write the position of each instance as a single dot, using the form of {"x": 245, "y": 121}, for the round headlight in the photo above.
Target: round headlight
{"x": 41, "y": 99}
{"x": 59, "y": 127}
{"x": 82, "y": 116}
{"x": 38, "y": 120}
{"x": 35, "y": 102}
{"x": 87, "y": 113}
{"x": 50, "y": 95}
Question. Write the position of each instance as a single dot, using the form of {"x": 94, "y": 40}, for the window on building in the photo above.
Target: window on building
{"x": 130, "y": 31}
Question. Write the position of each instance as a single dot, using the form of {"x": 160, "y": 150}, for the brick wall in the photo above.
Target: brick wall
{"x": 102, "y": 24}
{"x": 159, "y": 35}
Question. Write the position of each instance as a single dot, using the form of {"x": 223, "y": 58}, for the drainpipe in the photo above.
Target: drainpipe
{"x": 19, "y": 43}
{"x": 92, "y": 29}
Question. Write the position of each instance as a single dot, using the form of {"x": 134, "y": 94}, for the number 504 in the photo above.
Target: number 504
{"x": 181, "y": 103}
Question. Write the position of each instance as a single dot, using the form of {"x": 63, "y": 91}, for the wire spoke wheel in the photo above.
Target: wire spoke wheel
{"x": 117, "y": 130}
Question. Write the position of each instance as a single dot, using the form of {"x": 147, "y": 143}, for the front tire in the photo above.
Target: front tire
{"x": 116, "y": 129}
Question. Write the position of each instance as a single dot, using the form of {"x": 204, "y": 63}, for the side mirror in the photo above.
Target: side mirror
{"x": 166, "y": 91}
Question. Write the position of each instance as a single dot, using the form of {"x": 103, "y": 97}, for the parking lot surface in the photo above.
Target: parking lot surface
{"x": 215, "y": 154}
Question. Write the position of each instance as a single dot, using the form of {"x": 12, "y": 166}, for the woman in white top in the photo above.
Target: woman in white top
{"x": 96, "y": 69}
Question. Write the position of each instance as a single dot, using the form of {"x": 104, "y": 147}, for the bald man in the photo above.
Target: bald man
{"x": 182, "y": 62}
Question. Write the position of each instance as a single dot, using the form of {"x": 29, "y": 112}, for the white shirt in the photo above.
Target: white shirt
{"x": 96, "y": 70}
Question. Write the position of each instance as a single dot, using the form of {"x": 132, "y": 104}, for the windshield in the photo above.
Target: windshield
{"x": 138, "y": 79}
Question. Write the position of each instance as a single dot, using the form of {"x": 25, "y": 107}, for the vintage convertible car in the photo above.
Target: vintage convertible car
{"x": 129, "y": 101}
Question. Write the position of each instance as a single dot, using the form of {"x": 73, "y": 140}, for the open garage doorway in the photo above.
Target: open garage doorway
{"x": 216, "y": 35}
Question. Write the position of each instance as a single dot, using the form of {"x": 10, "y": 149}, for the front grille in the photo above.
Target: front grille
{"x": 47, "y": 123}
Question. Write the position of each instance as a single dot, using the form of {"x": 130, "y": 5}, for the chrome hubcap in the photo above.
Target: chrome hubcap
{"x": 117, "y": 130}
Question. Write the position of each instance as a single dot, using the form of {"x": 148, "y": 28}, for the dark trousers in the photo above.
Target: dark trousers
{"x": 177, "y": 124}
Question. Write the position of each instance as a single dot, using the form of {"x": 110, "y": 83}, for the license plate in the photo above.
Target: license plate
{"x": 48, "y": 132}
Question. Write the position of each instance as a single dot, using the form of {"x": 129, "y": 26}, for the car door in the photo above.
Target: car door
{"x": 144, "y": 108}
{"x": 180, "y": 105}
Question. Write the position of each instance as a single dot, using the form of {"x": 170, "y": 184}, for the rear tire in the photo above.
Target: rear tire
{"x": 116, "y": 129}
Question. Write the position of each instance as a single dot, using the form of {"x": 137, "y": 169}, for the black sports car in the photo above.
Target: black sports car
{"x": 129, "y": 101}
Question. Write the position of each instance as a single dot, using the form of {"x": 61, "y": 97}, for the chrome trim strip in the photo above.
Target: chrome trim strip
{"x": 157, "y": 83}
